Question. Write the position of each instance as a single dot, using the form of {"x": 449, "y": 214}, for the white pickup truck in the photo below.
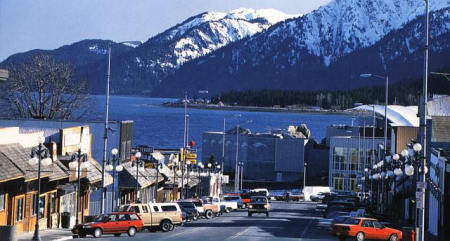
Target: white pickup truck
{"x": 230, "y": 203}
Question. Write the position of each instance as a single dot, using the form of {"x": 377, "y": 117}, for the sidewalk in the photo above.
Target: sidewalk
{"x": 48, "y": 235}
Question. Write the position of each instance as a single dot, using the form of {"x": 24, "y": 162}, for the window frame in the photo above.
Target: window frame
{"x": 20, "y": 198}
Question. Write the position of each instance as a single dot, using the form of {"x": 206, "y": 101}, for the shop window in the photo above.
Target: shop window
{"x": 19, "y": 209}
{"x": 2, "y": 201}
{"x": 53, "y": 203}
{"x": 34, "y": 206}
{"x": 42, "y": 207}
{"x": 353, "y": 184}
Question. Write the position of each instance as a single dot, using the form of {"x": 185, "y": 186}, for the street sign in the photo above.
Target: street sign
{"x": 421, "y": 185}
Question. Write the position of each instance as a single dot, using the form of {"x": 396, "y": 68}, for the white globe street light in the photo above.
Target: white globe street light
{"x": 33, "y": 161}
{"x": 114, "y": 151}
{"x": 119, "y": 168}
{"x": 46, "y": 161}
{"x": 404, "y": 153}
{"x": 396, "y": 157}
{"x": 417, "y": 147}
{"x": 138, "y": 155}
{"x": 409, "y": 170}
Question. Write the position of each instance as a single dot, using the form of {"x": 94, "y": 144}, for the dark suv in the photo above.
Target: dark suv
{"x": 258, "y": 204}
{"x": 189, "y": 208}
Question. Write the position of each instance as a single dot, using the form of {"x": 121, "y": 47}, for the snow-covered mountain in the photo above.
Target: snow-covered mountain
{"x": 150, "y": 63}
{"x": 342, "y": 26}
{"x": 322, "y": 51}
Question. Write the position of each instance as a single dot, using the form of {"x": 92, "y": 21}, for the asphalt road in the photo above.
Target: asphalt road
{"x": 286, "y": 221}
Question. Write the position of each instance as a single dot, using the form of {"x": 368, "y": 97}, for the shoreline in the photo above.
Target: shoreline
{"x": 255, "y": 109}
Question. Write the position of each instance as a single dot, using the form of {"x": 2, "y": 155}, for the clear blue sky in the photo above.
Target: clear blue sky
{"x": 48, "y": 24}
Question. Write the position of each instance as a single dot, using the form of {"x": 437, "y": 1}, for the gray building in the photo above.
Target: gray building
{"x": 266, "y": 156}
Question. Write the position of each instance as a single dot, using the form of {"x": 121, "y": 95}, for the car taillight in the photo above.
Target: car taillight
{"x": 181, "y": 215}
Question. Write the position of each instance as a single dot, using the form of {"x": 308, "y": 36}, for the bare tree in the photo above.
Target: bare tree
{"x": 43, "y": 88}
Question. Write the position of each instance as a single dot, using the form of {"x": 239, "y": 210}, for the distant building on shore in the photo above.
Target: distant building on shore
{"x": 277, "y": 156}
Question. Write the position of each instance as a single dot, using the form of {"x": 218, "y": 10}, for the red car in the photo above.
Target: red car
{"x": 114, "y": 223}
{"x": 365, "y": 228}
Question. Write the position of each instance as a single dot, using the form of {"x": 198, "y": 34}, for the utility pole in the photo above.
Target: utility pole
{"x": 236, "y": 171}
{"x": 105, "y": 134}
{"x": 184, "y": 146}
{"x": 420, "y": 206}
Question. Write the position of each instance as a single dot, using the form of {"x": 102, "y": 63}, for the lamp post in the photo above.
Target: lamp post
{"x": 79, "y": 161}
{"x": 158, "y": 166}
{"x": 114, "y": 166}
{"x": 236, "y": 170}
{"x": 385, "y": 104}
{"x": 138, "y": 163}
{"x": 385, "y": 118}
{"x": 200, "y": 167}
{"x": 105, "y": 133}
{"x": 420, "y": 207}
{"x": 40, "y": 156}
{"x": 185, "y": 136}
{"x": 304, "y": 175}
{"x": 188, "y": 165}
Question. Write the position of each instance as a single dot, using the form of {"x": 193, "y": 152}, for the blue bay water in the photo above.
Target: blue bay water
{"x": 162, "y": 127}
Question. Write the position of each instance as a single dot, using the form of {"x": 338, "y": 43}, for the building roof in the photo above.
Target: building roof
{"x": 8, "y": 170}
{"x": 397, "y": 115}
{"x": 93, "y": 175}
{"x": 19, "y": 156}
{"x": 147, "y": 176}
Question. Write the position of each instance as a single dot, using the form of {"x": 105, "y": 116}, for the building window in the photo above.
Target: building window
{"x": 41, "y": 206}
{"x": 19, "y": 209}
{"x": 353, "y": 159}
{"x": 353, "y": 184}
{"x": 338, "y": 183}
{"x": 34, "y": 206}
{"x": 2, "y": 201}
{"x": 53, "y": 203}
{"x": 338, "y": 158}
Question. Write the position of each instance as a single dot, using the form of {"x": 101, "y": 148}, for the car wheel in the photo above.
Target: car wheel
{"x": 360, "y": 236}
{"x": 195, "y": 218}
{"x": 393, "y": 237}
{"x": 165, "y": 226}
{"x": 117, "y": 234}
{"x": 172, "y": 227}
{"x": 209, "y": 214}
{"x": 227, "y": 210}
{"x": 341, "y": 238}
{"x": 131, "y": 231}
{"x": 249, "y": 214}
{"x": 97, "y": 233}
{"x": 82, "y": 235}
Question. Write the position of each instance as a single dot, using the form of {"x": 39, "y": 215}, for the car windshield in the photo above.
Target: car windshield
{"x": 259, "y": 199}
{"x": 124, "y": 208}
{"x": 101, "y": 218}
{"x": 352, "y": 221}
{"x": 230, "y": 198}
{"x": 186, "y": 204}
{"x": 198, "y": 204}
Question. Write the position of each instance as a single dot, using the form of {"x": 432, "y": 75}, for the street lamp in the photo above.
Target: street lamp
{"x": 79, "y": 160}
{"x": 385, "y": 104}
{"x": 105, "y": 133}
{"x": 236, "y": 171}
{"x": 114, "y": 166}
{"x": 40, "y": 156}
{"x": 159, "y": 165}
{"x": 138, "y": 163}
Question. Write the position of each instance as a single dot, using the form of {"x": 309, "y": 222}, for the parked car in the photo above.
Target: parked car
{"x": 365, "y": 228}
{"x": 199, "y": 206}
{"x": 297, "y": 196}
{"x": 258, "y": 204}
{"x": 319, "y": 196}
{"x": 189, "y": 208}
{"x": 234, "y": 198}
{"x": 114, "y": 223}
{"x": 163, "y": 215}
